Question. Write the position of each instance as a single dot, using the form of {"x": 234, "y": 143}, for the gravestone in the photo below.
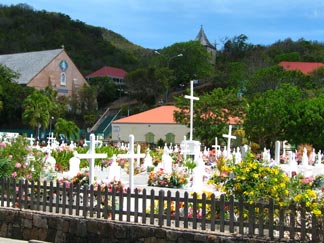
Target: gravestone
{"x": 131, "y": 156}
{"x": 148, "y": 160}
{"x": 31, "y": 140}
{"x": 229, "y": 137}
{"x": 277, "y": 153}
{"x": 91, "y": 156}
{"x": 166, "y": 160}
{"x": 217, "y": 148}
{"x": 198, "y": 174}
{"x": 74, "y": 165}
{"x": 114, "y": 170}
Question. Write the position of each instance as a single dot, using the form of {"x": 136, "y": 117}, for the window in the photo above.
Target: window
{"x": 170, "y": 138}
{"x": 149, "y": 137}
{"x": 63, "y": 79}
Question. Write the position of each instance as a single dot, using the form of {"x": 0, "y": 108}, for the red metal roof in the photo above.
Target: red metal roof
{"x": 160, "y": 115}
{"x": 304, "y": 67}
{"x": 109, "y": 71}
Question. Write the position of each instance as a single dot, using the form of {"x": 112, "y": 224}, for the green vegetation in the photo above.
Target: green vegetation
{"x": 246, "y": 81}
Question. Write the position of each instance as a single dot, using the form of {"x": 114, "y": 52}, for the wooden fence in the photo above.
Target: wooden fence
{"x": 176, "y": 209}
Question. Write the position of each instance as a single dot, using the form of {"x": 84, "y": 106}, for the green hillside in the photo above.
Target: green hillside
{"x": 23, "y": 29}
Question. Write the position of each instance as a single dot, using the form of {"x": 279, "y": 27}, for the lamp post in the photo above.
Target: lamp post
{"x": 51, "y": 120}
{"x": 168, "y": 65}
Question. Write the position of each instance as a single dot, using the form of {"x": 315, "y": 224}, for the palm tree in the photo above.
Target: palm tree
{"x": 36, "y": 111}
{"x": 68, "y": 128}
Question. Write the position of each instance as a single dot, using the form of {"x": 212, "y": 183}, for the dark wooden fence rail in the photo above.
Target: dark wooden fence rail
{"x": 165, "y": 208}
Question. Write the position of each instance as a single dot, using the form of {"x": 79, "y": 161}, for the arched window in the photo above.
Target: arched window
{"x": 63, "y": 79}
{"x": 149, "y": 137}
{"x": 170, "y": 138}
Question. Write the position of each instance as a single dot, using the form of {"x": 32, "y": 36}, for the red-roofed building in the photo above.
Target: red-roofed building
{"x": 116, "y": 74}
{"x": 304, "y": 67}
{"x": 152, "y": 125}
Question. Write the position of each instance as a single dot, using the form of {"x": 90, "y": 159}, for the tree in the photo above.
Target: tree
{"x": 146, "y": 85}
{"x": 68, "y": 128}
{"x": 272, "y": 78}
{"x": 268, "y": 115}
{"x": 12, "y": 96}
{"x": 195, "y": 62}
{"x": 307, "y": 123}
{"x": 83, "y": 106}
{"x": 235, "y": 49}
{"x": 212, "y": 113}
{"x": 37, "y": 111}
{"x": 107, "y": 90}
{"x": 56, "y": 108}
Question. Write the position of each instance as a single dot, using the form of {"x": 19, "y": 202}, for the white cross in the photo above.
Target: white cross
{"x": 216, "y": 146}
{"x": 31, "y": 140}
{"x": 138, "y": 153}
{"x": 51, "y": 139}
{"x": 184, "y": 148}
{"x": 229, "y": 137}
{"x": 131, "y": 155}
{"x": 191, "y": 98}
{"x": 91, "y": 156}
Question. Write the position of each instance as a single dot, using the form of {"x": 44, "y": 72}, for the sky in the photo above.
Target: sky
{"x": 156, "y": 24}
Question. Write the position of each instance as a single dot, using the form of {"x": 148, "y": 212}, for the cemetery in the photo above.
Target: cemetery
{"x": 185, "y": 192}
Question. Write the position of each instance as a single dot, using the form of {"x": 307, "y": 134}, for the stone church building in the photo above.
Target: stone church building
{"x": 202, "y": 38}
{"x": 41, "y": 69}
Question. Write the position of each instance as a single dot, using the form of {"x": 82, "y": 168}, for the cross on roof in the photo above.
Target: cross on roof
{"x": 131, "y": 155}
{"x": 229, "y": 136}
{"x": 191, "y": 98}
{"x": 91, "y": 156}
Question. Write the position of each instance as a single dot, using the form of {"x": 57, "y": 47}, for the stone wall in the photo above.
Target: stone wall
{"x": 31, "y": 225}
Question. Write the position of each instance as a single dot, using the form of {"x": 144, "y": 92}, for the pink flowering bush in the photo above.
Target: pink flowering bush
{"x": 19, "y": 161}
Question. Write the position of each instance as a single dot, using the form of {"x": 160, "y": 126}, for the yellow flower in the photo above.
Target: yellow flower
{"x": 298, "y": 198}
{"x": 316, "y": 212}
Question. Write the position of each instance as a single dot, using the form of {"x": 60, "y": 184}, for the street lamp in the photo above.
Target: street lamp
{"x": 50, "y": 131}
{"x": 168, "y": 65}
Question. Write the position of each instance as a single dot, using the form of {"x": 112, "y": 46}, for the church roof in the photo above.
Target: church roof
{"x": 202, "y": 38}
{"x": 28, "y": 64}
{"x": 107, "y": 71}
{"x": 304, "y": 67}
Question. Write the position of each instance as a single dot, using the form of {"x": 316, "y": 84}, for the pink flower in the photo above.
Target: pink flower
{"x": 14, "y": 174}
{"x": 307, "y": 180}
{"x": 3, "y": 145}
{"x": 18, "y": 165}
